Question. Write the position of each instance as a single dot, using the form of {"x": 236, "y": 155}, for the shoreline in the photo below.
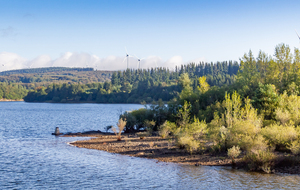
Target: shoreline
{"x": 163, "y": 150}
{"x": 151, "y": 148}
{"x": 77, "y": 102}
{"x": 11, "y": 100}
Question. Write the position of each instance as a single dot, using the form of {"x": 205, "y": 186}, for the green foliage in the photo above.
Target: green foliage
{"x": 149, "y": 125}
{"x": 295, "y": 147}
{"x": 266, "y": 100}
{"x": 234, "y": 152}
{"x": 288, "y": 109}
{"x": 237, "y": 125}
{"x": 260, "y": 160}
{"x": 280, "y": 136}
{"x": 203, "y": 85}
{"x": 185, "y": 83}
{"x": 166, "y": 128}
{"x": 12, "y": 91}
{"x": 188, "y": 134}
{"x": 129, "y": 86}
{"x": 147, "y": 118}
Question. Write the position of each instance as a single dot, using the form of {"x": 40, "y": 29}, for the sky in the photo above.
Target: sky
{"x": 166, "y": 33}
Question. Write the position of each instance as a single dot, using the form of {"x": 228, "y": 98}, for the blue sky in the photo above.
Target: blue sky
{"x": 35, "y": 33}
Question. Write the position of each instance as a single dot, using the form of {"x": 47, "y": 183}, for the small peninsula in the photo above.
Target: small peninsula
{"x": 165, "y": 150}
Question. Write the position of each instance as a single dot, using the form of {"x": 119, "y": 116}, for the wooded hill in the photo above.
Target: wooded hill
{"x": 136, "y": 86}
{"x": 31, "y": 78}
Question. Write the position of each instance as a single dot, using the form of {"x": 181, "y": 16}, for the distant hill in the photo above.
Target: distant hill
{"x": 48, "y": 75}
{"x": 43, "y": 70}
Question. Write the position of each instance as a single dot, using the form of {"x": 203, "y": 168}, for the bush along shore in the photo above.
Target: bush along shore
{"x": 253, "y": 123}
{"x": 166, "y": 150}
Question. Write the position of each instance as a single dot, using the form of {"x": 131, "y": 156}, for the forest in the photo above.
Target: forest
{"x": 36, "y": 77}
{"x": 12, "y": 91}
{"x": 256, "y": 118}
{"x": 137, "y": 86}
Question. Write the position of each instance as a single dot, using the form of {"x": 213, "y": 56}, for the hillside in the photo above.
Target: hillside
{"x": 49, "y": 75}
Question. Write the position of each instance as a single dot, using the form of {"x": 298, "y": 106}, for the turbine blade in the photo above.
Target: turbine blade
{"x": 126, "y": 51}
{"x": 124, "y": 60}
{"x": 297, "y": 34}
{"x": 136, "y": 56}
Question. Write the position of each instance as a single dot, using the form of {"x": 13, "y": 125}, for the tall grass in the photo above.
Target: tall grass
{"x": 121, "y": 124}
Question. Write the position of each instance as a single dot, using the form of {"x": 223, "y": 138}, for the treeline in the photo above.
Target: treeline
{"x": 218, "y": 74}
{"x": 255, "y": 116}
{"x": 136, "y": 86}
{"x": 12, "y": 91}
{"x": 47, "y": 76}
{"x": 43, "y": 70}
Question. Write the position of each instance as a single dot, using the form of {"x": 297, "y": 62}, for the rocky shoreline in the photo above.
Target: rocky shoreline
{"x": 164, "y": 150}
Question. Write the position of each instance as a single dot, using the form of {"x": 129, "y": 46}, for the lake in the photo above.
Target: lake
{"x": 32, "y": 158}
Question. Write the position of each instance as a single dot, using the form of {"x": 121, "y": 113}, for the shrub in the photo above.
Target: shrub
{"x": 149, "y": 125}
{"x": 282, "y": 115}
{"x": 260, "y": 160}
{"x": 288, "y": 109}
{"x": 295, "y": 147}
{"x": 280, "y": 136}
{"x": 166, "y": 129}
{"x": 188, "y": 142}
{"x": 252, "y": 143}
{"x": 187, "y": 134}
{"x": 233, "y": 153}
{"x": 239, "y": 125}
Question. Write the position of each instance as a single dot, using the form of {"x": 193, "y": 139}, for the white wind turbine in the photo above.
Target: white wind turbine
{"x": 127, "y": 57}
{"x": 31, "y": 65}
{"x": 297, "y": 34}
{"x": 139, "y": 61}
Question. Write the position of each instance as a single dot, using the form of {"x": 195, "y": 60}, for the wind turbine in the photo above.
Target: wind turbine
{"x": 297, "y": 34}
{"x": 31, "y": 65}
{"x": 127, "y": 57}
{"x": 139, "y": 61}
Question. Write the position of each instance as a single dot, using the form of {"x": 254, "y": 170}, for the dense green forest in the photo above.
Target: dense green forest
{"x": 136, "y": 86}
{"x": 32, "y": 78}
{"x": 43, "y": 70}
{"x": 256, "y": 115}
{"x": 12, "y": 91}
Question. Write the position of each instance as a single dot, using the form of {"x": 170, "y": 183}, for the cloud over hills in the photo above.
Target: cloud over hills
{"x": 11, "y": 61}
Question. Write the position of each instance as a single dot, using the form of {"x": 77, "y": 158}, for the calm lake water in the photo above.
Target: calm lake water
{"x": 31, "y": 158}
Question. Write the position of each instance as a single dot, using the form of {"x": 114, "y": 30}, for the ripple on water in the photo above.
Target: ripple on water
{"x": 31, "y": 158}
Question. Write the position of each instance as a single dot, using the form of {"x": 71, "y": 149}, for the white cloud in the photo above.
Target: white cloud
{"x": 40, "y": 61}
{"x": 198, "y": 60}
{"x": 69, "y": 59}
{"x": 13, "y": 61}
{"x": 10, "y": 61}
{"x": 174, "y": 61}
